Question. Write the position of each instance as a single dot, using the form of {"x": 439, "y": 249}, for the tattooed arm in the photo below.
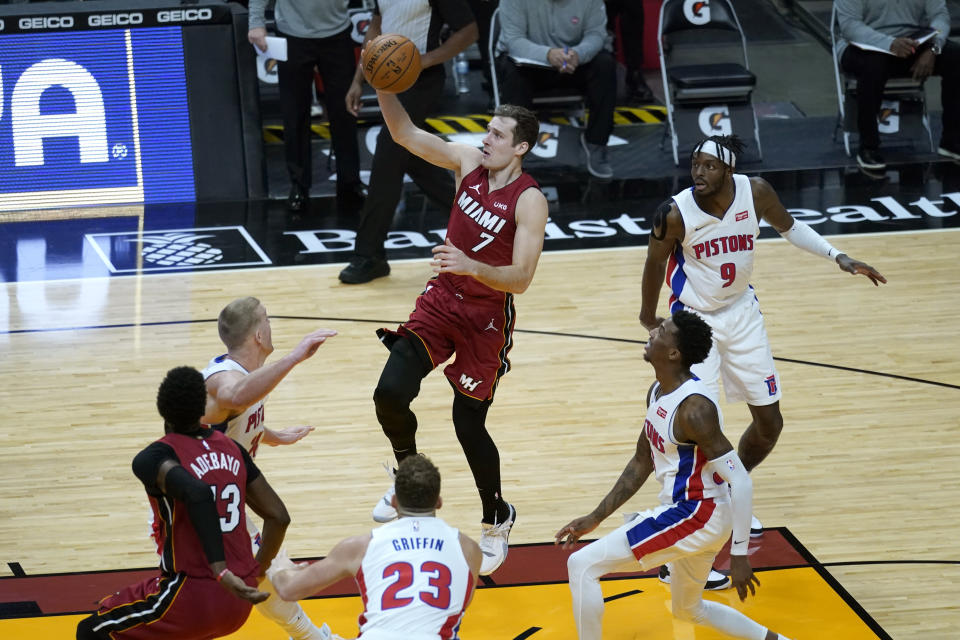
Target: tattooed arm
{"x": 636, "y": 472}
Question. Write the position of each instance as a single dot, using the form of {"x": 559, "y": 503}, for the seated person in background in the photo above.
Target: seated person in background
{"x": 885, "y": 24}
{"x": 630, "y": 13}
{"x": 561, "y": 45}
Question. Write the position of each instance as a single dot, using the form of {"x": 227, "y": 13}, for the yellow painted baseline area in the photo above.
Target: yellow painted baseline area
{"x": 504, "y": 613}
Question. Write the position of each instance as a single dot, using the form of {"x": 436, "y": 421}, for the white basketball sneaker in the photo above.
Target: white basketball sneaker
{"x": 383, "y": 511}
{"x": 494, "y": 542}
{"x": 756, "y": 528}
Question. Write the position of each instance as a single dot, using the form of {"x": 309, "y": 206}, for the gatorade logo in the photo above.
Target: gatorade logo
{"x": 715, "y": 121}
{"x": 696, "y": 11}
{"x": 888, "y": 119}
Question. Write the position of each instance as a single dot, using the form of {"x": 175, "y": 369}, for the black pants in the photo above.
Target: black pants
{"x": 483, "y": 13}
{"x": 391, "y": 162}
{"x": 872, "y": 69}
{"x": 596, "y": 79}
{"x": 334, "y": 59}
{"x": 631, "y": 29}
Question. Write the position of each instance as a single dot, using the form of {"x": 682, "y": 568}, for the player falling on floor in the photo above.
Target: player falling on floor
{"x": 198, "y": 482}
{"x": 705, "y": 494}
{"x": 237, "y": 386}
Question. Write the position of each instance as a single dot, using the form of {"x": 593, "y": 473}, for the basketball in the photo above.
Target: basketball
{"x": 391, "y": 63}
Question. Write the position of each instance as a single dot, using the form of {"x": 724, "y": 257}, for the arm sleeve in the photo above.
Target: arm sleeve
{"x": 514, "y": 30}
{"x": 594, "y": 32}
{"x": 853, "y": 28}
{"x": 201, "y": 508}
{"x": 802, "y": 236}
{"x": 939, "y": 17}
{"x": 730, "y": 468}
{"x": 257, "y": 10}
{"x": 146, "y": 465}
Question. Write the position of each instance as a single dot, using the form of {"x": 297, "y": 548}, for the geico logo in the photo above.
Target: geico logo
{"x": 46, "y": 22}
{"x": 184, "y": 15}
{"x": 30, "y": 127}
{"x": 114, "y": 19}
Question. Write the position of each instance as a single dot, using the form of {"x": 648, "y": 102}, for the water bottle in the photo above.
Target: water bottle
{"x": 460, "y": 69}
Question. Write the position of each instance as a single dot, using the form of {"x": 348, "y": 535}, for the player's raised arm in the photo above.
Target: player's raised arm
{"x": 460, "y": 158}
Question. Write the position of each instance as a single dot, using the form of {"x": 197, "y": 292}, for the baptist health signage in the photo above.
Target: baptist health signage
{"x": 93, "y": 118}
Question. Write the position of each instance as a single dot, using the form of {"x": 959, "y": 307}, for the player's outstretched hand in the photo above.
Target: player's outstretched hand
{"x": 241, "y": 589}
{"x": 289, "y": 435}
{"x": 575, "y": 530}
{"x": 850, "y": 265}
{"x": 742, "y": 577}
{"x": 311, "y": 342}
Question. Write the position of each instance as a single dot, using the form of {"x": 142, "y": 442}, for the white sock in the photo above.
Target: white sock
{"x": 289, "y": 615}
{"x": 729, "y": 620}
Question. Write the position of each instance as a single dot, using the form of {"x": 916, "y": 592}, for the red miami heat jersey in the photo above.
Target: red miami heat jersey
{"x": 414, "y": 581}
{"x": 681, "y": 468}
{"x": 483, "y": 225}
{"x": 215, "y": 460}
{"x": 713, "y": 265}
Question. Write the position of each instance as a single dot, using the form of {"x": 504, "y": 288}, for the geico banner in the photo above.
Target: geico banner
{"x": 93, "y": 118}
{"x": 110, "y": 19}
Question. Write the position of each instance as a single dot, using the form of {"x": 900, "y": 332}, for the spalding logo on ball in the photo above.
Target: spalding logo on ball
{"x": 391, "y": 63}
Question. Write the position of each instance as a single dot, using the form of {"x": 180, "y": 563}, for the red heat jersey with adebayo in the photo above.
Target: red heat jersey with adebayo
{"x": 483, "y": 225}
{"x": 712, "y": 266}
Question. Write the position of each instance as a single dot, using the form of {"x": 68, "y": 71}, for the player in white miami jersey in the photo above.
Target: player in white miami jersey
{"x": 416, "y": 574}
{"x": 702, "y": 243}
{"x": 706, "y": 492}
{"x": 237, "y": 385}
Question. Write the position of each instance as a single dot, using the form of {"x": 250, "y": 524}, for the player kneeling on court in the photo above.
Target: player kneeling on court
{"x": 705, "y": 493}
{"x": 416, "y": 574}
{"x": 197, "y": 480}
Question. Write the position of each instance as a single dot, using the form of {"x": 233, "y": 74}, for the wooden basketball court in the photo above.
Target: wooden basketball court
{"x": 865, "y": 475}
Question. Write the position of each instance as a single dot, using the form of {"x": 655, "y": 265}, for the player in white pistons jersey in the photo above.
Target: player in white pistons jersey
{"x": 416, "y": 575}
{"x": 714, "y": 263}
{"x": 702, "y": 244}
{"x": 238, "y": 382}
{"x": 247, "y": 427}
{"x": 680, "y": 467}
{"x": 706, "y": 493}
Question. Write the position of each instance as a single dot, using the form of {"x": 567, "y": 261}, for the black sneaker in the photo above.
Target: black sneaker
{"x": 362, "y": 269}
{"x": 298, "y": 199}
{"x": 871, "y": 159}
{"x": 715, "y": 582}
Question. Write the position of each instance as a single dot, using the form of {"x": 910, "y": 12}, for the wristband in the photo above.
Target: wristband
{"x": 221, "y": 574}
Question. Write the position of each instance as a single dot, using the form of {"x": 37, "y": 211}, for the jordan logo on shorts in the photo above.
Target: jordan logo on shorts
{"x": 491, "y": 326}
